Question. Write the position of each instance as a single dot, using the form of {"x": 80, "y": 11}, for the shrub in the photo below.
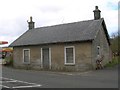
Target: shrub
{"x": 9, "y": 60}
{"x": 115, "y": 61}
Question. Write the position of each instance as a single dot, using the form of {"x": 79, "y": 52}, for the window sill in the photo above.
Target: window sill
{"x": 69, "y": 64}
{"x": 26, "y": 63}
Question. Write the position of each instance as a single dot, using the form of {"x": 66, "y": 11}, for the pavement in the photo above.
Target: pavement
{"x": 19, "y": 78}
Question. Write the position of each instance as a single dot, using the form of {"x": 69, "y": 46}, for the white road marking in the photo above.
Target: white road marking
{"x": 25, "y": 82}
{"x": 4, "y": 86}
{"x": 19, "y": 81}
{"x": 8, "y": 80}
{"x": 27, "y": 86}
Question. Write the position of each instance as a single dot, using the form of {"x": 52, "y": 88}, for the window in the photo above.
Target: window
{"x": 26, "y": 56}
{"x": 69, "y": 55}
{"x": 98, "y": 50}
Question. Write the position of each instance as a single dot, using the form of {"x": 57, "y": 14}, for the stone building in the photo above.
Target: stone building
{"x": 65, "y": 47}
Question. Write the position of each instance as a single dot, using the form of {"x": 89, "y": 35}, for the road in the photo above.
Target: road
{"x": 19, "y": 78}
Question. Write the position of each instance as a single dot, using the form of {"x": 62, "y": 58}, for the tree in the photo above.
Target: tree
{"x": 115, "y": 43}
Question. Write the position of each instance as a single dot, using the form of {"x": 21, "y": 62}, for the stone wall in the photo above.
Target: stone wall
{"x": 101, "y": 40}
{"x": 82, "y": 57}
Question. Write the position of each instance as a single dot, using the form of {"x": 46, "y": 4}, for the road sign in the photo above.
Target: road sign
{"x": 3, "y": 42}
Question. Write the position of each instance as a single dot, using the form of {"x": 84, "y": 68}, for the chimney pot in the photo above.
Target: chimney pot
{"x": 96, "y": 7}
{"x": 31, "y": 19}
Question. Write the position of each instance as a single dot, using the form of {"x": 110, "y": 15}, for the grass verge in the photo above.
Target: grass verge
{"x": 115, "y": 61}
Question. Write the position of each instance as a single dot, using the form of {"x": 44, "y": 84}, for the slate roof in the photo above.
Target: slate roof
{"x": 70, "y": 32}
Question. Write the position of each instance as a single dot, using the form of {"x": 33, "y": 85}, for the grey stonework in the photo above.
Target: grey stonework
{"x": 105, "y": 50}
{"x": 97, "y": 14}
{"x": 82, "y": 57}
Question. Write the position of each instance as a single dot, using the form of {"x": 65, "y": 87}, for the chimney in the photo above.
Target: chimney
{"x": 31, "y": 23}
{"x": 97, "y": 13}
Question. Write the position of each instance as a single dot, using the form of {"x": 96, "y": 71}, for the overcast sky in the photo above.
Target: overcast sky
{"x": 15, "y": 13}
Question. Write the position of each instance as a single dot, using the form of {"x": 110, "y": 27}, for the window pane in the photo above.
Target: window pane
{"x": 69, "y": 55}
{"x": 98, "y": 50}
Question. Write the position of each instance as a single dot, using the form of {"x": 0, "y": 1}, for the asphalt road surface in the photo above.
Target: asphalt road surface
{"x": 19, "y": 78}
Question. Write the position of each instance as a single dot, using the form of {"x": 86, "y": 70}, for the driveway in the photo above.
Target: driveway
{"x": 106, "y": 78}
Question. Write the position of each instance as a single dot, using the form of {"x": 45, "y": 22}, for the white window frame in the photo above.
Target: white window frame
{"x": 49, "y": 58}
{"x": 73, "y": 55}
{"x": 23, "y": 56}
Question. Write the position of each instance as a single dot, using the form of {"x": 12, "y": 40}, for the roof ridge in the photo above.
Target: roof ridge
{"x": 66, "y": 23}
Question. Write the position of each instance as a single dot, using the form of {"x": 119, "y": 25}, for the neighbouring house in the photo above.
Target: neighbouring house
{"x": 66, "y": 47}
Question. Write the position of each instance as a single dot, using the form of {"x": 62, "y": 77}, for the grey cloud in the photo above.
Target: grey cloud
{"x": 12, "y": 28}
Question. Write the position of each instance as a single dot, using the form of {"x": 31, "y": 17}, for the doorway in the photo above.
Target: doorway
{"x": 46, "y": 58}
